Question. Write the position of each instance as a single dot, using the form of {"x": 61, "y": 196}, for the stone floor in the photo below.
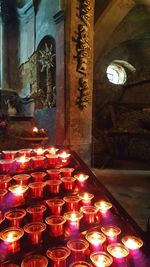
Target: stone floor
{"x": 131, "y": 188}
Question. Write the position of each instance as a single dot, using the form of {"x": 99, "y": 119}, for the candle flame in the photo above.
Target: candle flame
{"x": 35, "y": 130}
{"x": 73, "y": 217}
{"x": 10, "y": 237}
{"x": 86, "y": 196}
{"x": 39, "y": 151}
{"x": 64, "y": 155}
{"x": 19, "y": 190}
{"x": 22, "y": 159}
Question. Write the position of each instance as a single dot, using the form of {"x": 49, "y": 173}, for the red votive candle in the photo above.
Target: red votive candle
{"x": 37, "y": 189}
{"x": 52, "y": 150}
{"x": 101, "y": 259}
{"x": 39, "y": 151}
{"x": 4, "y": 181}
{"x": 35, "y": 261}
{"x": 81, "y": 178}
{"x": 56, "y": 225}
{"x": 64, "y": 158}
{"x": 72, "y": 203}
{"x": 52, "y": 159}
{"x": 53, "y": 174}
{"x": 117, "y": 250}
{"x": 89, "y": 213}
{"x": 66, "y": 171}
{"x": 55, "y": 205}
{"x": 58, "y": 256}
{"x": 68, "y": 182}
{"x": 15, "y": 216}
{"x": 38, "y": 162}
{"x": 18, "y": 192}
{"x": 103, "y": 206}
{"x": 21, "y": 178}
{"x": 7, "y": 165}
{"x": 132, "y": 242}
{"x": 9, "y": 154}
{"x": 11, "y": 237}
{"x": 34, "y": 231}
{"x": 54, "y": 186}
{"x": 78, "y": 249}
{"x": 73, "y": 218}
{"x": 96, "y": 240}
{"x": 36, "y": 212}
{"x": 80, "y": 264}
{"x": 86, "y": 198}
{"x": 38, "y": 176}
{"x": 111, "y": 232}
{"x": 25, "y": 152}
{"x": 22, "y": 163}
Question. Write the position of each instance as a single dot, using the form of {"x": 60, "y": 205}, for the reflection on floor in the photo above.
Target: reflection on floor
{"x": 131, "y": 188}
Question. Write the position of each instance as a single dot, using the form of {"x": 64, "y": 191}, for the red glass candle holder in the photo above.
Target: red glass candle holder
{"x": 26, "y": 152}
{"x": 37, "y": 189}
{"x": 7, "y": 165}
{"x": 22, "y": 163}
{"x": 111, "y": 232}
{"x": 56, "y": 225}
{"x": 72, "y": 203}
{"x": 35, "y": 231}
{"x": 132, "y": 242}
{"x": 81, "y": 178}
{"x": 52, "y": 150}
{"x": 66, "y": 172}
{"x": 54, "y": 186}
{"x": 64, "y": 158}
{"x": 96, "y": 240}
{"x": 39, "y": 151}
{"x": 58, "y": 256}
{"x": 89, "y": 213}
{"x": 68, "y": 182}
{"x": 117, "y": 250}
{"x": 86, "y": 198}
{"x": 9, "y": 154}
{"x": 103, "y": 206}
{"x": 38, "y": 176}
{"x": 4, "y": 181}
{"x": 78, "y": 249}
{"x": 11, "y": 237}
{"x": 15, "y": 216}
{"x": 35, "y": 261}
{"x": 54, "y": 174}
{"x": 36, "y": 212}
{"x": 101, "y": 258}
{"x": 38, "y": 162}
{"x": 55, "y": 205}
{"x": 52, "y": 159}
{"x": 73, "y": 218}
{"x": 80, "y": 264}
{"x": 18, "y": 192}
{"x": 21, "y": 178}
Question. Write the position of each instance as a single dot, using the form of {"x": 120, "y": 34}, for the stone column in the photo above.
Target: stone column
{"x": 79, "y": 76}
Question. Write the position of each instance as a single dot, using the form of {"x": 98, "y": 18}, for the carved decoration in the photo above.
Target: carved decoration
{"x": 81, "y": 38}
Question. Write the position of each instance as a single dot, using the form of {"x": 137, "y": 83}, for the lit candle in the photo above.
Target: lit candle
{"x": 101, "y": 259}
{"x": 37, "y": 189}
{"x": 52, "y": 150}
{"x": 54, "y": 186}
{"x": 9, "y": 154}
{"x": 72, "y": 203}
{"x": 66, "y": 171}
{"x": 36, "y": 212}
{"x": 81, "y": 178}
{"x": 18, "y": 192}
{"x": 117, "y": 250}
{"x": 25, "y": 152}
{"x": 34, "y": 231}
{"x": 21, "y": 178}
{"x": 64, "y": 158}
{"x": 4, "y": 181}
{"x": 96, "y": 240}
{"x": 34, "y": 260}
{"x": 86, "y": 198}
{"x": 68, "y": 182}
{"x": 78, "y": 249}
{"x": 38, "y": 176}
{"x": 58, "y": 256}
{"x": 11, "y": 237}
{"x": 35, "y": 130}
{"x": 56, "y": 225}
{"x": 132, "y": 242}
{"x": 53, "y": 174}
{"x": 103, "y": 206}
{"x": 55, "y": 205}
{"x": 22, "y": 163}
{"x": 15, "y": 216}
{"x": 111, "y": 232}
{"x": 89, "y": 213}
{"x": 73, "y": 218}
